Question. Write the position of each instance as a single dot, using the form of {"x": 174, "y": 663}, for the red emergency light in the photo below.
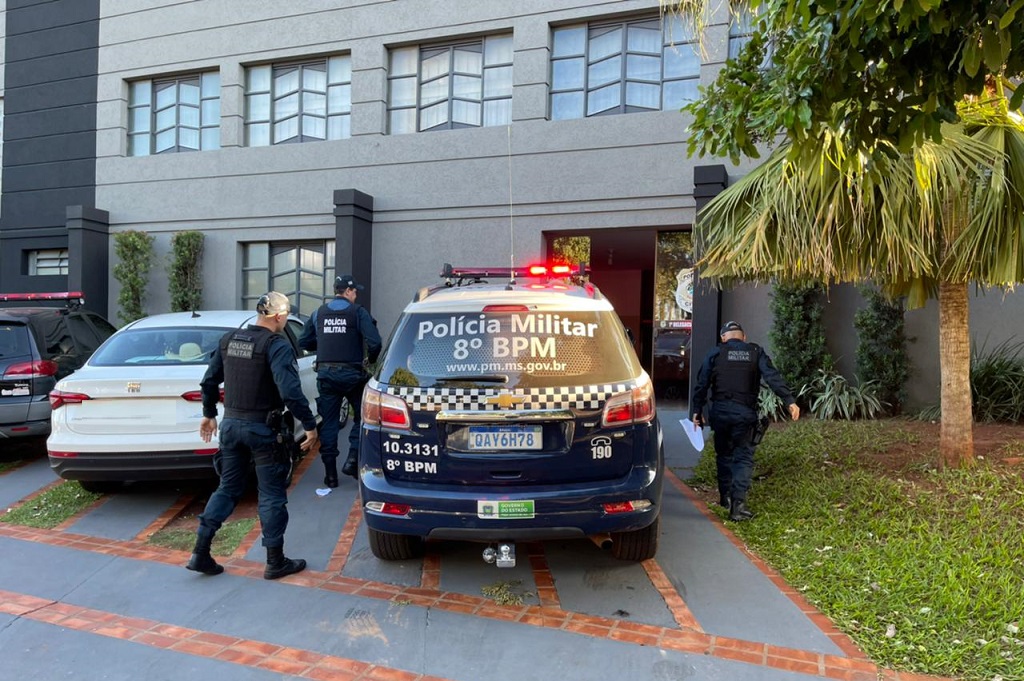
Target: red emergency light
{"x": 538, "y": 270}
{"x": 57, "y": 295}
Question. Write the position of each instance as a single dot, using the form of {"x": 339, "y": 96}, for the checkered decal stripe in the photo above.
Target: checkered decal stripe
{"x": 476, "y": 399}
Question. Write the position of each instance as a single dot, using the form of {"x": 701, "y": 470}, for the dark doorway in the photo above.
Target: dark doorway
{"x": 622, "y": 263}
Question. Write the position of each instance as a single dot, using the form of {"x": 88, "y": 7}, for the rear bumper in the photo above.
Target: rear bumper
{"x": 568, "y": 512}
{"x": 28, "y": 429}
{"x": 126, "y": 466}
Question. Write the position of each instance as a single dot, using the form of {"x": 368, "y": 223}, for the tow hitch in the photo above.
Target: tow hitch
{"x": 504, "y": 555}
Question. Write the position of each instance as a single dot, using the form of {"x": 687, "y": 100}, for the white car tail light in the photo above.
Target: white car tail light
{"x": 58, "y": 398}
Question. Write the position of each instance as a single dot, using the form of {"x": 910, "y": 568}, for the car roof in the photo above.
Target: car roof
{"x": 471, "y": 297}
{"x": 200, "y": 318}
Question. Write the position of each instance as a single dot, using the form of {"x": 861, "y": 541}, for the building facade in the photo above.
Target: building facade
{"x": 378, "y": 138}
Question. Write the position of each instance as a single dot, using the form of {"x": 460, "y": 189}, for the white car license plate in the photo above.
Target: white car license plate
{"x": 504, "y": 438}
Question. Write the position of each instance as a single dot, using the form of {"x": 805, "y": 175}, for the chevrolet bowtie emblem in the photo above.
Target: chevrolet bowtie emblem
{"x": 505, "y": 400}
{"x": 134, "y": 387}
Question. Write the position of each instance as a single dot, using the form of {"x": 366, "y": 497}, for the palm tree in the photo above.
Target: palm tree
{"x": 923, "y": 223}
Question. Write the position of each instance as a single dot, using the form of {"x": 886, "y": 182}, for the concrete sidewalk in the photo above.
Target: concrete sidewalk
{"x": 94, "y": 602}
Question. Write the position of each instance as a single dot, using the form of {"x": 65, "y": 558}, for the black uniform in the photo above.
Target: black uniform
{"x": 337, "y": 332}
{"x": 733, "y": 372}
{"x": 260, "y": 376}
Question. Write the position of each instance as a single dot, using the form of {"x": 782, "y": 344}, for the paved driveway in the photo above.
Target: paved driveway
{"x": 92, "y": 600}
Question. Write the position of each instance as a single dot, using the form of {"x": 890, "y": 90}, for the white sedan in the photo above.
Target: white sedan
{"x": 132, "y": 412}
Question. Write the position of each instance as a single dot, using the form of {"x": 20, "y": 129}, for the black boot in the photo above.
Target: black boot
{"x": 724, "y": 500}
{"x": 201, "y": 560}
{"x": 331, "y": 478}
{"x": 739, "y": 512}
{"x": 278, "y": 566}
{"x": 351, "y": 464}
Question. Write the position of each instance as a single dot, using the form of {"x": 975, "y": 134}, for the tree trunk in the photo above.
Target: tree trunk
{"x": 956, "y": 440}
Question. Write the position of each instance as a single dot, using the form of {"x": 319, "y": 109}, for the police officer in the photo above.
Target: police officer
{"x": 337, "y": 331}
{"x": 260, "y": 375}
{"x": 733, "y": 372}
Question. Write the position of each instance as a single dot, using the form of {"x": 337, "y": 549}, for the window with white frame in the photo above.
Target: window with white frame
{"x": 603, "y": 68}
{"x": 303, "y": 271}
{"x": 298, "y": 102}
{"x": 458, "y": 85}
{"x": 168, "y": 115}
{"x": 47, "y": 262}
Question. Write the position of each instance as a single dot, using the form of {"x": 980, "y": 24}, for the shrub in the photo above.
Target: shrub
{"x": 798, "y": 332}
{"x": 997, "y": 383}
{"x": 882, "y": 350}
{"x": 134, "y": 251}
{"x": 185, "y": 272}
{"x": 771, "y": 405}
{"x": 830, "y": 396}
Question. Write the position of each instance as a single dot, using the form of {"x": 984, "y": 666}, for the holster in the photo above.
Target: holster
{"x": 282, "y": 453}
{"x": 759, "y": 429}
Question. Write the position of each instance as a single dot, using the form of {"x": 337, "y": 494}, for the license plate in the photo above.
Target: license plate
{"x": 504, "y": 510}
{"x": 504, "y": 438}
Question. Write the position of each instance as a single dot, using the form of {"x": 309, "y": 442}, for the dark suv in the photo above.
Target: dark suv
{"x": 510, "y": 411}
{"x": 39, "y": 346}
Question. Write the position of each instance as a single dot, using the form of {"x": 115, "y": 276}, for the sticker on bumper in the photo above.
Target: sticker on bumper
{"x": 504, "y": 510}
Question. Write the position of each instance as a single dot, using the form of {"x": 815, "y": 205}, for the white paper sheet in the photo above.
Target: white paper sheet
{"x": 695, "y": 434}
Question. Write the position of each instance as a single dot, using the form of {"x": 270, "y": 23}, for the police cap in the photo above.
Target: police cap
{"x": 730, "y": 326}
{"x": 345, "y": 282}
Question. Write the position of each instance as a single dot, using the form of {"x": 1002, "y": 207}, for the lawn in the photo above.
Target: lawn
{"x": 924, "y": 569}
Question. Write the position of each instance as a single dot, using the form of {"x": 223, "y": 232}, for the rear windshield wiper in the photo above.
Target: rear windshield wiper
{"x": 478, "y": 378}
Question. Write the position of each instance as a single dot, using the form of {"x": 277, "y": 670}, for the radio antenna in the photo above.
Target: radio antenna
{"x": 511, "y": 220}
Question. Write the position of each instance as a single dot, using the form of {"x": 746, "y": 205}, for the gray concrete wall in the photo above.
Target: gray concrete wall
{"x": 438, "y": 196}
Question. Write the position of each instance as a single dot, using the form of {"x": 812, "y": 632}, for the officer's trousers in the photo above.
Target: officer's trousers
{"x": 733, "y": 424}
{"x": 334, "y": 383}
{"x": 243, "y": 443}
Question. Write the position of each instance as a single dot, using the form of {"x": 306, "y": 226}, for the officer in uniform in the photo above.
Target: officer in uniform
{"x": 337, "y": 331}
{"x": 260, "y": 375}
{"x": 733, "y": 372}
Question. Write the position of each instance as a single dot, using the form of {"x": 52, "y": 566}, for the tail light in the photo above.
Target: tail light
{"x": 35, "y": 369}
{"x": 636, "y": 406}
{"x": 58, "y": 398}
{"x": 381, "y": 409}
{"x": 388, "y": 508}
{"x": 197, "y": 395}
{"x": 627, "y": 506}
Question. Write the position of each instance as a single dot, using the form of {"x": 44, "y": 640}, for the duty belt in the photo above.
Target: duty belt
{"x": 246, "y": 415}
{"x": 351, "y": 365}
{"x": 745, "y": 400}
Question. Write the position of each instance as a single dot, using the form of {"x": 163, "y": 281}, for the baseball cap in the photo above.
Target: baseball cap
{"x": 730, "y": 326}
{"x": 272, "y": 303}
{"x": 346, "y": 281}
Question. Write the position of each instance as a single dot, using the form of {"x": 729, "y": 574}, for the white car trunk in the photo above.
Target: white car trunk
{"x": 135, "y": 400}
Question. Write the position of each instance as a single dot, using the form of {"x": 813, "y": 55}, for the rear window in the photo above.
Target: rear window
{"x": 509, "y": 349}
{"x": 170, "y": 345}
{"x": 14, "y": 340}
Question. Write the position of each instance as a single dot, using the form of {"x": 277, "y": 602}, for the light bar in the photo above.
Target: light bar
{"x": 558, "y": 270}
{"x": 61, "y": 295}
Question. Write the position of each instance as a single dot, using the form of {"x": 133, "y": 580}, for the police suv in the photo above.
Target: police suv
{"x": 511, "y": 411}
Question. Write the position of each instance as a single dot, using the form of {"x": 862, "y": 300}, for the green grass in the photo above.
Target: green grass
{"x": 225, "y": 542}
{"x": 52, "y": 507}
{"x": 925, "y": 575}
